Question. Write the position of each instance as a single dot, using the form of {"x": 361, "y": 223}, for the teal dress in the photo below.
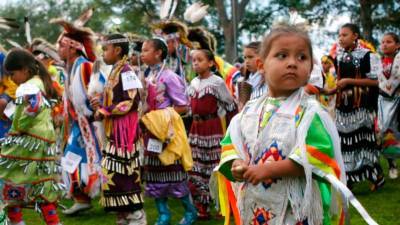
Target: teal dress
{"x": 28, "y": 157}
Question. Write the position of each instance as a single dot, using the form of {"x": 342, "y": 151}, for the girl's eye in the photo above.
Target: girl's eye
{"x": 280, "y": 55}
{"x": 302, "y": 57}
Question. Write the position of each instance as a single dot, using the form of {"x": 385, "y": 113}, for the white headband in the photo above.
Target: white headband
{"x": 115, "y": 41}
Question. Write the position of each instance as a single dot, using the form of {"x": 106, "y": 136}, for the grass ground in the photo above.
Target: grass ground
{"x": 383, "y": 206}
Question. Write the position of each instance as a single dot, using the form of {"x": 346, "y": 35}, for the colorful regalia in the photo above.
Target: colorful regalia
{"x": 7, "y": 92}
{"x": 120, "y": 163}
{"x": 209, "y": 100}
{"x": 259, "y": 87}
{"x": 82, "y": 140}
{"x": 329, "y": 101}
{"x": 83, "y": 178}
{"x": 165, "y": 89}
{"x": 389, "y": 106}
{"x": 28, "y": 161}
{"x": 273, "y": 129}
{"x": 356, "y": 108}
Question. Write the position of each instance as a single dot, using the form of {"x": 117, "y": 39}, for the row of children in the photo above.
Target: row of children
{"x": 282, "y": 147}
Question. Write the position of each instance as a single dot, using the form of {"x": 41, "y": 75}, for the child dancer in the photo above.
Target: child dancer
{"x": 357, "y": 69}
{"x": 165, "y": 89}
{"x": 251, "y": 58}
{"x": 209, "y": 97}
{"x": 327, "y": 97}
{"x": 120, "y": 162}
{"x": 28, "y": 155}
{"x": 284, "y": 146}
{"x": 389, "y": 100}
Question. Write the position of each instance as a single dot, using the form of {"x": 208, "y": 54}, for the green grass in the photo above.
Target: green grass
{"x": 383, "y": 206}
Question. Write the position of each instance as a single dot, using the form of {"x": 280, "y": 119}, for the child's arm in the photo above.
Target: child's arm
{"x": 181, "y": 109}
{"x": 342, "y": 83}
{"x": 272, "y": 170}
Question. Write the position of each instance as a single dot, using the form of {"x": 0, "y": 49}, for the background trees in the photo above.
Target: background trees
{"x": 251, "y": 20}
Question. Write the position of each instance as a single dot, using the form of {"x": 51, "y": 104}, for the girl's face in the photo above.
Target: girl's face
{"x": 19, "y": 76}
{"x": 201, "y": 64}
{"x": 287, "y": 66}
{"x": 326, "y": 65}
{"x": 111, "y": 54}
{"x": 250, "y": 59}
{"x": 388, "y": 45}
{"x": 347, "y": 37}
{"x": 172, "y": 45}
{"x": 149, "y": 55}
{"x": 134, "y": 60}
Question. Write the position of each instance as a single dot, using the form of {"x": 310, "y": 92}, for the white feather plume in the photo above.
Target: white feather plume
{"x": 95, "y": 86}
{"x": 28, "y": 31}
{"x": 8, "y": 23}
{"x": 175, "y": 4}
{"x": 13, "y": 43}
{"x": 199, "y": 14}
{"x": 4, "y": 26}
{"x": 188, "y": 12}
{"x": 84, "y": 17}
{"x": 164, "y": 9}
{"x": 195, "y": 12}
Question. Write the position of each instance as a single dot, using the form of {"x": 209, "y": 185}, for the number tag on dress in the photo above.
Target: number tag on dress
{"x": 130, "y": 81}
{"x": 70, "y": 162}
{"x": 9, "y": 110}
{"x": 154, "y": 145}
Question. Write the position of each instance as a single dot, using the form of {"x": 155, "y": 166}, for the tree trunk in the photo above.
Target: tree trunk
{"x": 229, "y": 43}
{"x": 227, "y": 26}
{"x": 366, "y": 20}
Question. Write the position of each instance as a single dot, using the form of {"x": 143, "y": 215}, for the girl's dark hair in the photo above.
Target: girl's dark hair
{"x": 18, "y": 59}
{"x": 160, "y": 44}
{"x": 255, "y": 45}
{"x": 394, "y": 36}
{"x": 123, "y": 45}
{"x": 354, "y": 28}
{"x": 211, "y": 57}
{"x": 283, "y": 31}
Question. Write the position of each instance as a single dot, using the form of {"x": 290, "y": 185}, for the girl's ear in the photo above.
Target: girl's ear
{"x": 260, "y": 64}
{"x": 159, "y": 54}
{"x": 26, "y": 72}
{"x": 117, "y": 50}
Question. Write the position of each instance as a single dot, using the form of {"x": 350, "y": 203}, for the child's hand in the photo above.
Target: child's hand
{"x": 331, "y": 91}
{"x": 98, "y": 116}
{"x": 239, "y": 166}
{"x": 256, "y": 174}
{"x": 95, "y": 102}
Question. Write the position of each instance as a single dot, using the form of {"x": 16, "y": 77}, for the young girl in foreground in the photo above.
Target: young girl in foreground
{"x": 389, "y": 101}
{"x": 28, "y": 155}
{"x": 279, "y": 142}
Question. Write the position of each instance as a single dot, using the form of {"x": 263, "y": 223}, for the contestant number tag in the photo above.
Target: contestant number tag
{"x": 154, "y": 145}
{"x": 70, "y": 162}
{"x": 130, "y": 81}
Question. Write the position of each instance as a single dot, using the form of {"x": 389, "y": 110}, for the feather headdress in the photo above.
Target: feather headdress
{"x": 80, "y": 38}
{"x": 41, "y": 46}
{"x": 171, "y": 29}
{"x": 202, "y": 39}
